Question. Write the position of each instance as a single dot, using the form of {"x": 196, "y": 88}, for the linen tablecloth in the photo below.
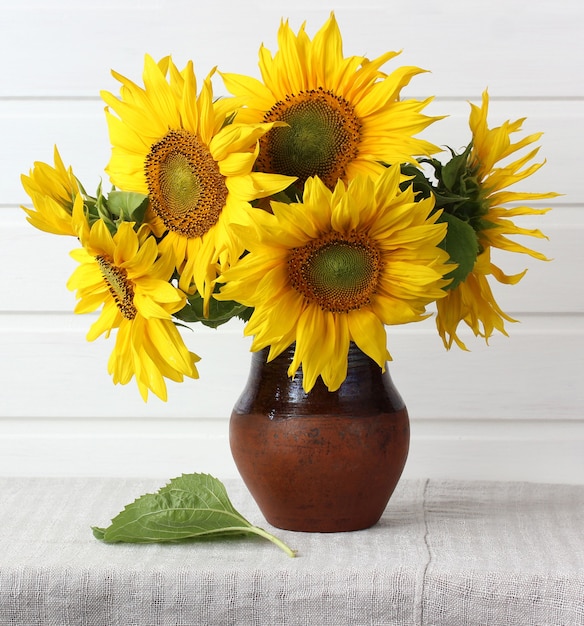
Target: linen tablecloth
{"x": 444, "y": 553}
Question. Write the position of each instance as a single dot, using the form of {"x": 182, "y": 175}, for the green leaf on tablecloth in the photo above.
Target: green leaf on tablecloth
{"x": 192, "y": 506}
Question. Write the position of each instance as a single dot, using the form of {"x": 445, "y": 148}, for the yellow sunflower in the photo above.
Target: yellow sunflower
{"x": 175, "y": 146}
{"x": 472, "y": 301}
{"x": 54, "y": 191}
{"x": 126, "y": 275}
{"x": 343, "y": 115}
{"x": 336, "y": 269}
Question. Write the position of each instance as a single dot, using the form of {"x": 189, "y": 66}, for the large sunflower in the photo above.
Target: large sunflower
{"x": 472, "y": 301}
{"x": 175, "y": 146}
{"x": 336, "y": 269}
{"x": 53, "y": 191}
{"x": 343, "y": 115}
{"x": 126, "y": 274}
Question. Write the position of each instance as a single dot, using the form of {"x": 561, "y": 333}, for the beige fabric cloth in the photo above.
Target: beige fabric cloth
{"x": 444, "y": 554}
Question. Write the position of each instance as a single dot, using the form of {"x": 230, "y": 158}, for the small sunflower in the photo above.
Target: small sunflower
{"x": 126, "y": 275}
{"x": 342, "y": 115}
{"x": 472, "y": 301}
{"x": 177, "y": 147}
{"x": 336, "y": 269}
{"x": 54, "y": 191}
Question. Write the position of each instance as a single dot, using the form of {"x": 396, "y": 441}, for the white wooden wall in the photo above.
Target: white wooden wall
{"x": 513, "y": 410}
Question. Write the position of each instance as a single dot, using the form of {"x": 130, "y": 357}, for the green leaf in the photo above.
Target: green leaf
{"x": 220, "y": 311}
{"x": 462, "y": 245}
{"x": 192, "y": 506}
{"x": 128, "y": 206}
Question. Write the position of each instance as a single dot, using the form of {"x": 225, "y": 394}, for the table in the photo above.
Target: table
{"x": 444, "y": 553}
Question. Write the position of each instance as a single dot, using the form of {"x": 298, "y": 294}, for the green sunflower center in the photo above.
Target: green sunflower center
{"x": 119, "y": 286}
{"x": 186, "y": 189}
{"x": 339, "y": 272}
{"x": 321, "y": 139}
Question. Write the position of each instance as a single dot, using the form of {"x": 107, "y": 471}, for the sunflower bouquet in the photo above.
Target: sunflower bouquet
{"x": 303, "y": 203}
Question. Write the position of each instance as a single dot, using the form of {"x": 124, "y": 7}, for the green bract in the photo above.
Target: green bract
{"x": 115, "y": 208}
{"x": 458, "y": 194}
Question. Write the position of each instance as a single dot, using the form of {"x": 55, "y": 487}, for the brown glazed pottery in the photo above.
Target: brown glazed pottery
{"x": 323, "y": 461}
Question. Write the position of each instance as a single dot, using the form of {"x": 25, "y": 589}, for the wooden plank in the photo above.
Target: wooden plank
{"x": 510, "y": 450}
{"x": 42, "y": 264}
{"x": 33, "y": 127}
{"x": 518, "y": 47}
{"x": 48, "y": 370}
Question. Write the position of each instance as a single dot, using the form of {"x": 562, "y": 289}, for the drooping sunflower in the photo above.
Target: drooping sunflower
{"x": 176, "y": 147}
{"x": 128, "y": 277}
{"x": 336, "y": 269}
{"x": 343, "y": 115}
{"x": 54, "y": 191}
{"x": 472, "y": 301}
